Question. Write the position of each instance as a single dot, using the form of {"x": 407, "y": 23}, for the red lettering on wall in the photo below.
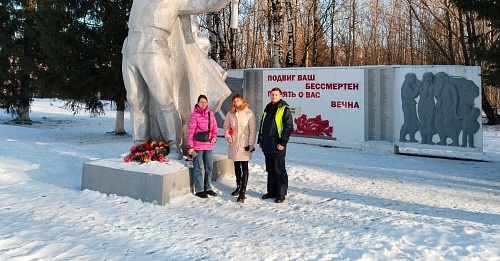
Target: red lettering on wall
{"x": 316, "y": 95}
{"x": 345, "y": 104}
{"x": 281, "y": 78}
{"x": 332, "y": 86}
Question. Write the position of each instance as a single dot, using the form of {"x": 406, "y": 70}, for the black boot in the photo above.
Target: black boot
{"x": 236, "y": 192}
{"x": 242, "y": 197}
{"x": 237, "y": 173}
{"x": 244, "y": 181}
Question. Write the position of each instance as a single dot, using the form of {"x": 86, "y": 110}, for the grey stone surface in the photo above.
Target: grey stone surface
{"x": 427, "y": 109}
{"x": 153, "y": 182}
{"x": 446, "y": 107}
{"x": 439, "y": 107}
{"x": 166, "y": 67}
{"x": 409, "y": 91}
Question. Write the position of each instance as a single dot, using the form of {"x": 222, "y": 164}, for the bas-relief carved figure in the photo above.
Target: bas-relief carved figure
{"x": 409, "y": 91}
{"x": 467, "y": 92}
{"x": 470, "y": 126}
{"x": 164, "y": 69}
{"x": 427, "y": 109}
{"x": 445, "y": 107}
{"x": 447, "y": 123}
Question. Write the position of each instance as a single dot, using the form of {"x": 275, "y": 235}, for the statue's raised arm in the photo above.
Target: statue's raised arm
{"x": 202, "y": 6}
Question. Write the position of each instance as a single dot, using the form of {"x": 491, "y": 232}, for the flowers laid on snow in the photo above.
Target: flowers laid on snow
{"x": 146, "y": 152}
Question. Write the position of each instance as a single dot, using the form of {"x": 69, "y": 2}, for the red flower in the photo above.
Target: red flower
{"x": 312, "y": 126}
{"x": 147, "y": 152}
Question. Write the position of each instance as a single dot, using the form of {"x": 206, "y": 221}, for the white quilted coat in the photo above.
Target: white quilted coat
{"x": 243, "y": 124}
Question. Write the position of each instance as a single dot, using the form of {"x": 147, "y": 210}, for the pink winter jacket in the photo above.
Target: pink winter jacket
{"x": 199, "y": 122}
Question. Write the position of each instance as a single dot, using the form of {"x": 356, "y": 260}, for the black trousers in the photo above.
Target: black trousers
{"x": 277, "y": 178}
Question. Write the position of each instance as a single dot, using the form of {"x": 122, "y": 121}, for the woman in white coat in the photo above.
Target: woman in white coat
{"x": 240, "y": 131}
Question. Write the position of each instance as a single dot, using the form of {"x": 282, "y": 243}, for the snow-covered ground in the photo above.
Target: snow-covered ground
{"x": 343, "y": 204}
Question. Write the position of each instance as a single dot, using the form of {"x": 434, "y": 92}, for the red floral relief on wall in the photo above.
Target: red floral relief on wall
{"x": 312, "y": 126}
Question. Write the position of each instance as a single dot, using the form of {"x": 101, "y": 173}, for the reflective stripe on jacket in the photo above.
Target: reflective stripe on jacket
{"x": 275, "y": 129}
{"x": 278, "y": 118}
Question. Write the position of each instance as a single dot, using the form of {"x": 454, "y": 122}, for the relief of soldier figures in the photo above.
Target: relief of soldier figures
{"x": 445, "y": 108}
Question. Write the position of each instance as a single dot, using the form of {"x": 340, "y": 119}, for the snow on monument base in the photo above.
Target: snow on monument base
{"x": 153, "y": 182}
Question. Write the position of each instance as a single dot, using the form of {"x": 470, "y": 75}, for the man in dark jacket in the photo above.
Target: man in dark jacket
{"x": 276, "y": 127}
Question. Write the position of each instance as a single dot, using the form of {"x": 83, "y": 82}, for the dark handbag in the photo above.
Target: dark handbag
{"x": 203, "y": 135}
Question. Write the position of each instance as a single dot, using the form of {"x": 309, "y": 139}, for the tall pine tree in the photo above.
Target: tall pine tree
{"x": 68, "y": 39}
{"x": 21, "y": 63}
{"x": 487, "y": 45}
{"x": 113, "y": 30}
{"x": 82, "y": 41}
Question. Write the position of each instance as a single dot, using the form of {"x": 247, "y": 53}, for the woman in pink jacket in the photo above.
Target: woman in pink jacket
{"x": 240, "y": 132}
{"x": 200, "y": 120}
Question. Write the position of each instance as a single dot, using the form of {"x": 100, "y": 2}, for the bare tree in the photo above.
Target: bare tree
{"x": 332, "y": 16}
{"x": 352, "y": 34}
{"x": 290, "y": 54}
{"x": 276, "y": 26}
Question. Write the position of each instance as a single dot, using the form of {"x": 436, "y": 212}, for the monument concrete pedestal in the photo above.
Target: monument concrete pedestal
{"x": 154, "y": 182}
{"x": 381, "y": 146}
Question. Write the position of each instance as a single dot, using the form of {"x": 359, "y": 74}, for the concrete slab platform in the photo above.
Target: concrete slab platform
{"x": 153, "y": 182}
{"x": 381, "y": 146}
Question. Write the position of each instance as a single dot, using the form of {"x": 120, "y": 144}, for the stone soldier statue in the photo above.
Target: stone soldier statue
{"x": 164, "y": 70}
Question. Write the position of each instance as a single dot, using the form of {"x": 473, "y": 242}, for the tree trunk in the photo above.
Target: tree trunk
{"x": 213, "y": 37}
{"x": 471, "y": 31}
{"x": 332, "y": 50}
{"x": 221, "y": 41}
{"x": 304, "y": 61}
{"x": 270, "y": 41}
{"x": 450, "y": 38}
{"x": 465, "y": 53}
{"x": 233, "y": 33}
{"x": 352, "y": 34}
{"x": 23, "y": 103}
{"x": 410, "y": 22}
{"x": 232, "y": 50}
{"x": 120, "y": 116}
{"x": 23, "y": 115}
{"x": 493, "y": 118}
{"x": 290, "y": 54}
{"x": 315, "y": 33}
{"x": 276, "y": 22}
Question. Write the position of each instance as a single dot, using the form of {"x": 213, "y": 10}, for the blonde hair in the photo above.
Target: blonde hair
{"x": 235, "y": 96}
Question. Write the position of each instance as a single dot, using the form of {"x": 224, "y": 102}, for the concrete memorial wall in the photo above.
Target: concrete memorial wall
{"x": 390, "y": 107}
